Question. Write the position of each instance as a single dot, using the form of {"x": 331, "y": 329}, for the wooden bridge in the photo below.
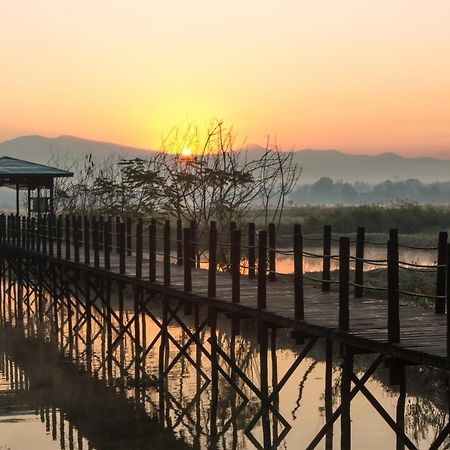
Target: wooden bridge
{"x": 82, "y": 257}
{"x": 168, "y": 263}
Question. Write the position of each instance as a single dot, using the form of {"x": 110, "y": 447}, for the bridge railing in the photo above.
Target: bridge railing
{"x": 250, "y": 253}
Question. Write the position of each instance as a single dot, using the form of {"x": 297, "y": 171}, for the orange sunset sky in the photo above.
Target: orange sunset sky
{"x": 355, "y": 75}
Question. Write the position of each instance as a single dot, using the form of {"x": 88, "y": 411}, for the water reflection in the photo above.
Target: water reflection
{"x": 155, "y": 376}
{"x": 376, "y": 253}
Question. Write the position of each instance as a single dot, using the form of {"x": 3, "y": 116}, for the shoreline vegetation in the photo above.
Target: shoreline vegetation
{"x": 416, "y": 223}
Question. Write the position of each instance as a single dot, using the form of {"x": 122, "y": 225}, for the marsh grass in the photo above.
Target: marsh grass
{"x": 408, "y": 218}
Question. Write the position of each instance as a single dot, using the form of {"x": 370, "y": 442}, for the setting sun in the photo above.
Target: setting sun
{"x": 186, "y": 153}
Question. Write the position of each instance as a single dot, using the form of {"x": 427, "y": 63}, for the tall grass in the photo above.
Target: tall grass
{"x": 407, "y": 217}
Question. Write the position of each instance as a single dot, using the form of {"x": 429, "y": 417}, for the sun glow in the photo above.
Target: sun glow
{"x": 186, "y": 153}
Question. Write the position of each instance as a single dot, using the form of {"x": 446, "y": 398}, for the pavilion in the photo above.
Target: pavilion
{"x": 25, "y": 175}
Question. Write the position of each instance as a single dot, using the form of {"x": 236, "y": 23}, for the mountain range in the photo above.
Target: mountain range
{"x": 315, "y": 163}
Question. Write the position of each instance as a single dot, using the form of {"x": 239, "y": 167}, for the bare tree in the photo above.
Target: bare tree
{"x": 218, "y": 181}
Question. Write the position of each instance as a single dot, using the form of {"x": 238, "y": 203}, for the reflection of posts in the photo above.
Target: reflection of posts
{"x": 70, "y": 318}
{"x": 214, "y": 376}
{"x": 276, "y": 399}
{"x": 263, "y": 347}
{"x": 162, "y": 361}
{"x": 121, "y": 336}
{"x": 88, "y": 326}
{"x": 329, "y": 392}
{"x": 198, "y": 383}
{"x": 109, "y": 338}
{"x": 347, "y": 371}
{"x": 400, "y": 413}
{"x": 137, "y": 342}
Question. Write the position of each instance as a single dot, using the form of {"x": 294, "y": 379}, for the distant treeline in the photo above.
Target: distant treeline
{"x": 327, "y": 191}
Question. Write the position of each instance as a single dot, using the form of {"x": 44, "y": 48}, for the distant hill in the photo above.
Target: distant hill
{"x": 40, "y": 149}
{"x": 369, "y": 168}
{"x": 316, "y": 163}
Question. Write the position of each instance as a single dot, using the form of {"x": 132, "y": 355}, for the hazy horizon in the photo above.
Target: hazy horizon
{"x": 424, "y": 154}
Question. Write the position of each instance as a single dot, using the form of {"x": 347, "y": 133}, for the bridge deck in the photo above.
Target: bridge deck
{"x": 423, "y": 333}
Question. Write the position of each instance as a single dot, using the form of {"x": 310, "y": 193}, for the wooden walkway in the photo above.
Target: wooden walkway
{"x": 423, "y": 333}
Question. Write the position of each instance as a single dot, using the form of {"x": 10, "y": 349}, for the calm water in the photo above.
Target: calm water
{"x": 285, "y": 262}
{"x": 46, "y": 404}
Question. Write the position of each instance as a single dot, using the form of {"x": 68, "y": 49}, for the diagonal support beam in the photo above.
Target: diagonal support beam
{"x": 362, "y": 381}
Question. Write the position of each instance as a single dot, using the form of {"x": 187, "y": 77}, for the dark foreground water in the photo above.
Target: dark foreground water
{"x": 94, "y": 399}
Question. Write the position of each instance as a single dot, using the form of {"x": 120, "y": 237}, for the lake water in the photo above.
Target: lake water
{"x": 49, "y": 403}
{"x": 376, "y": 253}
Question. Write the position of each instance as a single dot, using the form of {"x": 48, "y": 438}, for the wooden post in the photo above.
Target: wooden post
{"x": 17, "y": 199}
{"x": 17, "y": 228}
{"x": 129, "y": 243}
{"x": 87, "y": 235}
{"x": 251, "y": 250}
{"x": 179, "y": 243}
{"x": 193, "y": 249}
{"x": 10, "y": 230}
{"x": 14, "y": 232}
{"x": 235, "y": 266}
{"x": 38, "y": 231}
{"x": 22, "y": 231}
{"x": 58, "y": 237}
{"x": 359, "y": 262}
{"x": 43, "y": 233}
{"x": 95, "y": 236}
{"x": 393, "y": 291}
{"x": 299, "y": 306}
{"x": 19, "y": 231}
{"x": 326, "y": 285}
{"x": 33, "y": 234}
{"x": 187, "y": 268}
{"x": 166, "y": 262}
{"x": 28, "y": 231}
{"x": 233, "y": 226}
{"x": 76, "y": 238}
{"x": 15, "y": 219}
{"x": 118, "y": 221}
{"x": 67, "y": 237}
{"x": 439, "y": 306}
{"x": 122, "y": 250}
{"x": 51, "y": 231}
{"x": 25, "y": 231}
{"x": 262, "y": 269}
{"x": 101, "y": 237}
{"x": 107, "y": 244}
{"x": 52, "y": 197}
{"x": 29, "y": 203}
{"x": 212, "y": 265}
{"x": 152, "y": 250}
{"x": 272, "y": 252}
{"x": 344, "y": 277}
{"x": 139, "y": 250}
{"x": 187, "y": 260}
{"x": 448, "y": 305}
{"x": 3, "y": 228}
